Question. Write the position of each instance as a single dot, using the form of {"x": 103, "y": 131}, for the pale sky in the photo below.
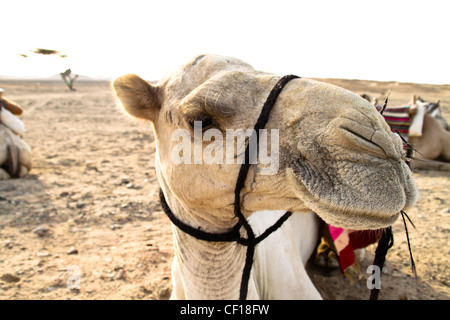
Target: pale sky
{"x": 375, "y": 40}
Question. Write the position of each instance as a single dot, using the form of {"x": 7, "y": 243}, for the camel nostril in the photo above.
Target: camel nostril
{"x": 368, "y": 139}
{"x": 360, "y": 140}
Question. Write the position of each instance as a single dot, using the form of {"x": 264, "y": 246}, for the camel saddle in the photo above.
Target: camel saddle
{"x": 9, "y": 105}
{"x": 407, "y": 120}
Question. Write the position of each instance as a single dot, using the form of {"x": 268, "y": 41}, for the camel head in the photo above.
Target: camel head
{"x": 434, "y": 110}
{"x": 330, "y": 151}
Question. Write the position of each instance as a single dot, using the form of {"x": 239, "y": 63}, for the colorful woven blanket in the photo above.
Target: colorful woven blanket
{"x": 398, "y": 118}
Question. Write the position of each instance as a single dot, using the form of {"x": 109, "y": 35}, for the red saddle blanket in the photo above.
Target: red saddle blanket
{"x": 346, "y": 241}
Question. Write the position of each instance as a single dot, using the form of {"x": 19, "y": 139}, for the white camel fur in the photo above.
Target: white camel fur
{"x": 337, "y": 157}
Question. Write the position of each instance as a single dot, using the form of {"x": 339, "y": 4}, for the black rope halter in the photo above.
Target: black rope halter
{"x": 234, "y": 234}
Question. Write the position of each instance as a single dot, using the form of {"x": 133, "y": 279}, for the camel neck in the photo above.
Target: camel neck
{"x": 227, "y": 244}
{"x": 207, "y": 270}
{"x": 210, "y": 270}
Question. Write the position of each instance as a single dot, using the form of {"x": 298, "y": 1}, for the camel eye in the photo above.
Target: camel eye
{"x": 206, "y": 122}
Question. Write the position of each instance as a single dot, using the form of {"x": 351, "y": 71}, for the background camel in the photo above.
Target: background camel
{"x": 433, "y": 147}
{"x": 338, "y": 158}
{"x": 432, "y": 144}
{"x": 15, "y": 153}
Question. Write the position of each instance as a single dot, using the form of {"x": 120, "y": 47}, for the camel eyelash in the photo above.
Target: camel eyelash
{"x": 206, "y": 122}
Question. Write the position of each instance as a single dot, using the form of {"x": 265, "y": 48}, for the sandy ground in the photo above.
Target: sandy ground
{"x": 88, "y": 213}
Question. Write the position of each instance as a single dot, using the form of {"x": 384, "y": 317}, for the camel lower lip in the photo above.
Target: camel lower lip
{"x": 370, "y": 221}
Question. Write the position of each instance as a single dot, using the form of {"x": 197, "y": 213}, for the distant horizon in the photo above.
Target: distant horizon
{"x": 106, "y": 79}
{"x": 55, "y": 77}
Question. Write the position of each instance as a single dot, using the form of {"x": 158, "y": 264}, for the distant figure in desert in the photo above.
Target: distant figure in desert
{"x": 69, "y": 79}
{"x": 15, "y": 153}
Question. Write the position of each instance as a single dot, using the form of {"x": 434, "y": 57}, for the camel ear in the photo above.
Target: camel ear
{"x": 138, "y": 97}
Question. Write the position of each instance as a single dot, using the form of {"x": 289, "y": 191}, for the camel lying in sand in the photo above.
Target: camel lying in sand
{"x": 433, "y": 146}
{"x": 337, "y": 157}
{"x": 15, "y": 153}
{"x": 430, "y": 139}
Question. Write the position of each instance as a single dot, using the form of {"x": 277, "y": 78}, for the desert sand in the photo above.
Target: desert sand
{"x": 86, "y": 222}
